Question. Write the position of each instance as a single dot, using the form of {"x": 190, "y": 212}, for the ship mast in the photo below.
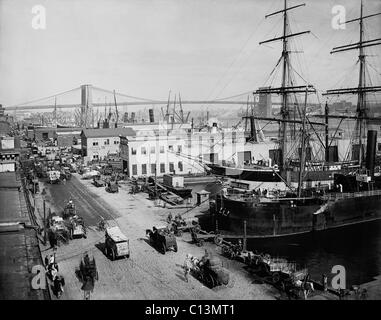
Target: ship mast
{"x": 302, "y": 159}
{"x": 285, "y": 88}
{"x": 362, "y": 89}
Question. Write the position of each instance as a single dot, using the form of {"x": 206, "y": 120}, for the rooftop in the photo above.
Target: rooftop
{"x": 108, "y": 132}
{"x": 8, "y": 180}
{"x": 10, "y": 207}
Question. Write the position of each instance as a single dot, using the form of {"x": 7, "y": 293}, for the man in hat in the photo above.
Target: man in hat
{"x": 187, "y": 266}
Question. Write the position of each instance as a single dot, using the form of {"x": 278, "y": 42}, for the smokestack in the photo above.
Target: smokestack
{"x": 371, "y": 151}
{"x": 151, "y": 117}
{"x": 253, "y": 134}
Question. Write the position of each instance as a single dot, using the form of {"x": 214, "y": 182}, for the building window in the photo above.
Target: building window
{"x": 144, "y": 151}
{"x": 133, "y": 151}
{"x": 144, "y": 168}
{"x": 162, "y": 167}
{"x": 379, "y": 147}
{"x": 95, "y": 144}
{"x": 95, "y": 157}
{"x": 134, "y": 169}
{"x": 170, "y": 148}
{"x": 171, "y": 167}
{"x": 107, "y": 141}
{"x": 179, "y": 149}
{"x": 152, "y": 149}
{"x": 180, "y": 165}
{"x": 153, "y": 168}
{"x": 116, "y": 142}
{"x": 161, "y": 149}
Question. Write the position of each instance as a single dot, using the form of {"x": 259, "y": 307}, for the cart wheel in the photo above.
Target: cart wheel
{"x": 163, "y": 248}
{"x": 218, "y": 240}
{"x": 275, "y": 277}
{"x": 210, "y": 282}
{"x": 200, "y": 243}
{"x": 112, "y": 254}
{"x": 197, "y": 228}
{"x": 179, "y": 233}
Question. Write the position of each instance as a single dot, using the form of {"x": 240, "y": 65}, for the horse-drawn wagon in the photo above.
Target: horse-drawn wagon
{"x": 162, "y": 239}
{"x": 210, "y": 271}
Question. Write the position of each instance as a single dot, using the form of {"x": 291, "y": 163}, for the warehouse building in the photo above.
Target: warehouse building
{"x": 96, "y": 144}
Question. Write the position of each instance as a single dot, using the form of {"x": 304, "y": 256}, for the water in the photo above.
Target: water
{"x": 357, "y": 248}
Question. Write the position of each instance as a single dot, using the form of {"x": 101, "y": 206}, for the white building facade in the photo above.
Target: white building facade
{"x": 96, "y": 144}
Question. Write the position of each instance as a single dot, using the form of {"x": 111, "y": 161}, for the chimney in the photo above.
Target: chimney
{"x": 371, "y": 151}
{"x": 151, "y": 117}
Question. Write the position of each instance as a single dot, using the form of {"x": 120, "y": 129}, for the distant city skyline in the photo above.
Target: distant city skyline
{"x": 203, "y": 49}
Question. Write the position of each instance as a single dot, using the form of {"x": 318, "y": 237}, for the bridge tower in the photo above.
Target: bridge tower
{"x": 86, "y": 104}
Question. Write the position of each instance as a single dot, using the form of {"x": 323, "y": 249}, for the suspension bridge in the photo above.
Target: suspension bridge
{"x": 87, "y": 92}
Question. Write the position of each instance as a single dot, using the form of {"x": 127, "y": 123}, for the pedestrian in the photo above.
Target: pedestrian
{"x": 187, "y": 266}
{"x": 88, "y": 287}
{"x": 53, "y": 240}
{"x": 46, "y": 261}
{"x": 64, "y": 181}
{"x": 58, "y": 284}
{"x": 364, "y": 294}
{"x": 341, "y": 293}
{"x": 325, "y": 282}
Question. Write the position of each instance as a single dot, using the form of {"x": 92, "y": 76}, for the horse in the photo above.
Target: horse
{"x": 58, "y": 285}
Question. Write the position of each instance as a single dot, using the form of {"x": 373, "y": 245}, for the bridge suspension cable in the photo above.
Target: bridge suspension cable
{"x": 124, "y": 95}
{"x": 45, "y": 98}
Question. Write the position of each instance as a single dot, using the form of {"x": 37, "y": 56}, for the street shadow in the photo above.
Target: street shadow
{"x": 150, "y": 244}
{"x": 180, "y": 276}
{"x": 101, "y": 247}
{"x": 79, "y": 275}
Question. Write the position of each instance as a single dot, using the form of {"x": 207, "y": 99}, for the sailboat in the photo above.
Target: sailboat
{"x": 355, "y": 195}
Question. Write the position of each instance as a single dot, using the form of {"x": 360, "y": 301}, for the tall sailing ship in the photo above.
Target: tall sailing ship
{"x": 354, "y": 196}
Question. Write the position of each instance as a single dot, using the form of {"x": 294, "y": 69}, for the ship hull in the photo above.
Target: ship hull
{"x": 297, "y": 217}
{"x": 272, "y": 175}
{"x": 245, "y": 174}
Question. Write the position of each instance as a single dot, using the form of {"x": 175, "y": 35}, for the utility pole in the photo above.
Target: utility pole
{"x": 326, "y": 132}
{"x": 244, "y": 245}
{"x": 155, "y": 180}
{"x": 44, "y": 222}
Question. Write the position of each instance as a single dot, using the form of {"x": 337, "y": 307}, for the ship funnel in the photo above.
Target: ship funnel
{"x": 371, "y": 151}
{"x": 253, "y": 133}
{"x": 151, "y": 117}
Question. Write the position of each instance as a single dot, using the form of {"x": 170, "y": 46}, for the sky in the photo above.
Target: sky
{"x": 204, "y": 49}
